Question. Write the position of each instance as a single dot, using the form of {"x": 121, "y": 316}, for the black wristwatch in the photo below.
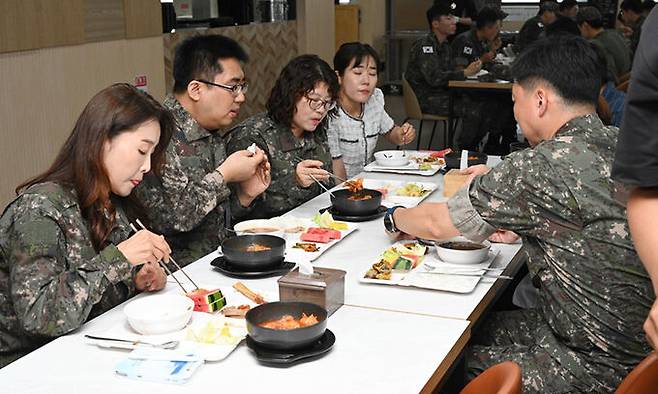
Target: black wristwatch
{"x": 389, "y": 224}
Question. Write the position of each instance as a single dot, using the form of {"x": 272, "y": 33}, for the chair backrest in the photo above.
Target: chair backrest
{"x": 643, "y": 379}
{"x": 411, "y": 105}
{"x": 624, "y": 86}
{"x": 503, "y": 378}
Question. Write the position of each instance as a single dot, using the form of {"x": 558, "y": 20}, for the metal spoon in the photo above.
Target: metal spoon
{"x": 165, "y": 345}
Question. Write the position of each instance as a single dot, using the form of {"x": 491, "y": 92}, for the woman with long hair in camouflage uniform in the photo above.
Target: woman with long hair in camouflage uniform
{"x": 66, "y": 249}
{"x": 293, "y": 135}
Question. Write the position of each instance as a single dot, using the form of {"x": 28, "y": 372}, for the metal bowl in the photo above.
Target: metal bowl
{"x": 285, "y": 339}
{"x": 341, "y": 202}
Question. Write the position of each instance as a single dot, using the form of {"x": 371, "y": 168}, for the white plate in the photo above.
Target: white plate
{"x": 210, "y": 352}
{"x": 295, "y": 254}
{"x": 411, "y": 169}
{"x": 394, "y": 199}
{"x": 449, "y": 283}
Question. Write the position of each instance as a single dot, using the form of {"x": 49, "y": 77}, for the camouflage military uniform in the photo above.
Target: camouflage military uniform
{"x": 190, "y": 202}
{"x": 586, "y": 333}
{"x": 51, "y": 278}
{"x": 467, "y": 48}
{"x": 284, "y": 152}
{"x": 430, "y": 68}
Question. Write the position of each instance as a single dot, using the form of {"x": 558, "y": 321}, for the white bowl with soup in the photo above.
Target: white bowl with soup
{"x": 391, "y": 158}
{"x": 259, "y": 226}
{"x": 159, "y": 313}
{"x": 460, "y": 250}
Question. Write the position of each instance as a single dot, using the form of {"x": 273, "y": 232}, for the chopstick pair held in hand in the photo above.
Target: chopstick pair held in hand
{"x": 141, "y": 225}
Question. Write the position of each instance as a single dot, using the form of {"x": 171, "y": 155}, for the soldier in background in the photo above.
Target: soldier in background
{"x": 191, "y": 203}
{"x": 586, "y": 332}
{"x": 633, "y": 17}
{"x": 431, "y": 65}
{"x": 482, "y": 42}
{"x": 66, "y": 250}
{"x": 533, "y": 28}
{"x": 569, "y": 9}
{"x": 293, "y": 135}
{"x": 617, "y": 53}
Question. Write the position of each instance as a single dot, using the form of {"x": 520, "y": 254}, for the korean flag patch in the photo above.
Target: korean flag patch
{"x": 468, "y": 50}
{"x": 428, "y": 49}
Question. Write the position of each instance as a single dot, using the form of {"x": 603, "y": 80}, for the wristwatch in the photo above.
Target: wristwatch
{"x": 389, "y": 224}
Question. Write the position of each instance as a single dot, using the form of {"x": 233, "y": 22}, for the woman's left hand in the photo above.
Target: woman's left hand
{"x": 150, "y": 277}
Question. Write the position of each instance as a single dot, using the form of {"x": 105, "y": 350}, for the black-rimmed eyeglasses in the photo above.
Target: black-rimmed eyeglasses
{"x": 235, "y": 89}
{"x": 318, "y": 104}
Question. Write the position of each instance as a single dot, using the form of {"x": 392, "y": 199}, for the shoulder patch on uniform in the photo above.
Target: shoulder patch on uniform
{"x": 468, "y": 50}
{"x": 453, "y": 6}
{"x": 541, "y": 25}
{"x": 428, "y": 49}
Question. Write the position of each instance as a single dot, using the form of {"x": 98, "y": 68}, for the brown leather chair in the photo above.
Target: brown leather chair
{"x": 643, "y": 379}
{"x": 412, "y": 108}
{"x": 503, "y": 378}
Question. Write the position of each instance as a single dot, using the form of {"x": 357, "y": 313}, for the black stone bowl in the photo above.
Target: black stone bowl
{"x": 297, "y": 338}
{"x": 453, "y": 159}
{"x": 341, "y": 202}
{"x": 234, "y": 250}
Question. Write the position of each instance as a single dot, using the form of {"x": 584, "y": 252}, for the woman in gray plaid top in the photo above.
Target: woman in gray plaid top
{"x": 361, "y": 116}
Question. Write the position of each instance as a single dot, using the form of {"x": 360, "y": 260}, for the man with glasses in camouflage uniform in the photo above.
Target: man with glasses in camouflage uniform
{"x": 191, "y": 203}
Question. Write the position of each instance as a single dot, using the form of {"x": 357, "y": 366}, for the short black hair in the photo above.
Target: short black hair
{"x": 566, "y": 63}
{"x": 198, "y": 58}
{"x": 567, "y": 4}
{"x": 356, "y": 51}
{"x": 591, "y": 15}
{"x": 436, "y": 11}
{"x": 648, "y": 5}
{"x": 487, "y": 16}
{"x": 632, "y": 5}
{"x": 297, "y": 79}
{"x": 562, "y": 26}
{"x": 548, "y": 6}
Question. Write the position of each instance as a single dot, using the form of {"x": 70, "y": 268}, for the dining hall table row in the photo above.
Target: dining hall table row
{"x": 388, "y": 338}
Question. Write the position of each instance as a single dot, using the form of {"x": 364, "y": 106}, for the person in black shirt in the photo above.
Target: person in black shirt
{"x": 534, "y": 27}
{"x": 636, "y": 159}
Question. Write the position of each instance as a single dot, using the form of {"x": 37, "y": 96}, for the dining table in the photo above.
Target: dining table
{"x": 389, "y": 339}
{"x": 499, "y": 87}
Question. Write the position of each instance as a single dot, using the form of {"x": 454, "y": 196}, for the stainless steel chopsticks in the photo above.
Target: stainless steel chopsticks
{"x": 321, "y": 185}
{"x": 162, "y": 263}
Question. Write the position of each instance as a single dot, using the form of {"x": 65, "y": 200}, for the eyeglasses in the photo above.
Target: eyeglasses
{"x": 317, "y": 104}
{"x": 235, "y": 89}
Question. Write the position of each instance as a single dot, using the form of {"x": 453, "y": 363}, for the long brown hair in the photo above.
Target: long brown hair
{"x": 116, "y": 109}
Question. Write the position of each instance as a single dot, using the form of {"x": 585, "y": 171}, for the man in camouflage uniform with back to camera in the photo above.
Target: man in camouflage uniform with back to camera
{"x": 586, "y": 333}
{"x": 191, "y": 204}
{"x": 431, "y": 66}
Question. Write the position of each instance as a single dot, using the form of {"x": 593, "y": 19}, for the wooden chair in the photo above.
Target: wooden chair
{"x": 412, "y": 108}
{"x": 643, "y": 379}
{"x": 503, "y": 378}
{"x": 624, "y": 86}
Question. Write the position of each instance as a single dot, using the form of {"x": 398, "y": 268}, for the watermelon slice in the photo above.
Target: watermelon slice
{"x": 333, "y": 234}
{"x": 310, "y": 237}
{"x": 207, "y": 300}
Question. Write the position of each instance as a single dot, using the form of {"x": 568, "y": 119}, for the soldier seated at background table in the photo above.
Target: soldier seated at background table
{"x": 617, "y": 53}
{"x": 431, "y": 66}
{"x": 191, "y": 203}
{"x": 494, "y": 113}
{"x": 293, "y": 135}
{"x": 533, "y": 28}
{"x": 632, "y": 14}
{"x": 361, "y": 117}
{"x": 66, "y": 250}
{"x": 569, "y": 9}
{"x": 586, "y": 332}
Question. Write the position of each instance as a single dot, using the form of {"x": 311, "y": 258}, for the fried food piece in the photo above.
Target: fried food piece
{"x": 244, "y": 290}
